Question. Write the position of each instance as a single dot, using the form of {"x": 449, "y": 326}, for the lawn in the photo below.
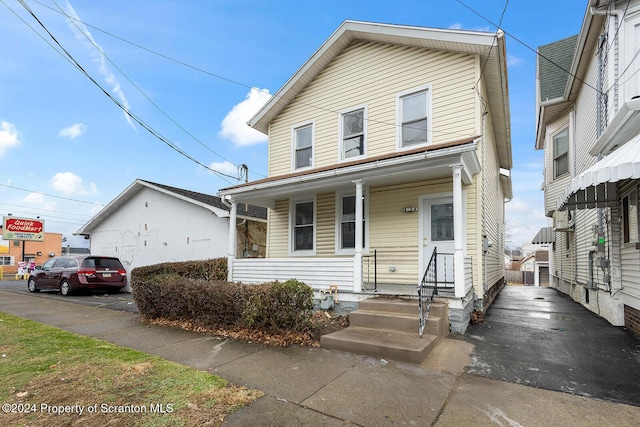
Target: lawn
{"x": 53, "y": 377}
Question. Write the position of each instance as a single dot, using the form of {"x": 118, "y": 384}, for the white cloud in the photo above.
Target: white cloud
{"x": 456, "y": 26}
{"x": 69, "y": 183}
{"x": 74, "y": 131}
{"x": 459, "y": 26}
{"x": 8, "y": 137}
{"x": 234, "y": 125}
{"x": 34, "y": 198}
{"x": 514, "y": 61}
{"x": 224, "y": 167}
{"x": 82, "y": 33}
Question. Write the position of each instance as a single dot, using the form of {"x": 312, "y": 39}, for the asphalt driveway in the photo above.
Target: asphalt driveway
{"x": 540, "y": 337}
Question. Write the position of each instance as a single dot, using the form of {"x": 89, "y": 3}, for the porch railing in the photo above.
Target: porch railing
{"x": 439, "y": 274}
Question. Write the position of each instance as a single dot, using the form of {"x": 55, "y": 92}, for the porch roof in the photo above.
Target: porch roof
{"x": 429, "y": 162}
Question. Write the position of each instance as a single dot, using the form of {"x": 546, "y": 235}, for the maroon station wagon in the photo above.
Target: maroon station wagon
{"x": 75, "y": 273}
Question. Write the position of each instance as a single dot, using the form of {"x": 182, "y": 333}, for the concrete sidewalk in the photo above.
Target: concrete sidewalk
{"x": 305, "y": 386}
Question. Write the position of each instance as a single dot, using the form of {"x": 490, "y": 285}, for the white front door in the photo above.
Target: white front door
{"x": 437, "y": 232}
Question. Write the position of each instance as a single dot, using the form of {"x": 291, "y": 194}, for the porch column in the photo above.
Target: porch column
{"x": 357, "y": 259}
{"x": 233, "y": 244}
{"x": 458, "y": 238}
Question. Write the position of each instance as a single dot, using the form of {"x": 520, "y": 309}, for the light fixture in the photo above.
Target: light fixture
{"x": 409, "y": 209}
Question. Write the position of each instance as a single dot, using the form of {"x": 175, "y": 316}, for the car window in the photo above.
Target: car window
{"x": 47, "y": 265}
{"x": 107, "y": 263}
{"x": 60, "y": 263}
{"x": 72, "y": 263}
{"x": 89, "y": 263}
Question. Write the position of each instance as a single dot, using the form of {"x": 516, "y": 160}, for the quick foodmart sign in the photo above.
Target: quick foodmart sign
{"x": 22, "y": 229}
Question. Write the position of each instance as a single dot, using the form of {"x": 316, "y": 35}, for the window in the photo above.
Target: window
{"x": 442, "y": 222}
{"x": 303, "y": 146}
{"x": 60, "y": 263}
{"x": 6, "y": 260}
{"x": 414, "y": 117}
{"x": 347, "y": 222}
{"x": 353, "y": 133}
{"x": 303, "y": 231}
{"x": 561, "y": 153}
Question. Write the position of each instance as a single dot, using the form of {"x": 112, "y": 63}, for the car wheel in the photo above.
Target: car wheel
{"x": 65, "y": 288}
{"x": 31, "y": 284}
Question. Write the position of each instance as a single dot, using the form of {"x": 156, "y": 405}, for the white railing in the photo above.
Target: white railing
{"x": 319, "y": 273}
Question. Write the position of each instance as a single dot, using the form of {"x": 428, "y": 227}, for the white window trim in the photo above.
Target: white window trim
{"x": 292, "y": 222}
{"x": 338, "y": 229}
{"x": 552, "y": 152}
{"x": 341, "y": 156}
{"x": 399, "y": 96}
{"x": 295, "y": 127}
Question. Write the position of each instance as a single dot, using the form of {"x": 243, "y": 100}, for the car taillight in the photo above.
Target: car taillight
{"x": 87, "y": 272}
{"x": 122, "y": 272}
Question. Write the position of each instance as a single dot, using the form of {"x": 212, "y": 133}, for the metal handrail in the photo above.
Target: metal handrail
{"x": 427, "y": 290}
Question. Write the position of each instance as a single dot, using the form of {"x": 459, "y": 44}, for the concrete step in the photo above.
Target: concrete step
{"x": 388, "y": 328}
{"x": 382, "y": 344}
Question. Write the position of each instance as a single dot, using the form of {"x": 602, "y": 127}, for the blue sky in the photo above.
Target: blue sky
{"x": 194, "y": 72}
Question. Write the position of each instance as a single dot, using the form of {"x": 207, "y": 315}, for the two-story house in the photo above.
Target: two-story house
{"x": 390, "y": 143}
{"x": 588, "y": 124}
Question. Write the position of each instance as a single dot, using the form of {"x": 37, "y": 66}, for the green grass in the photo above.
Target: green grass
{"x": 40, "y": 364}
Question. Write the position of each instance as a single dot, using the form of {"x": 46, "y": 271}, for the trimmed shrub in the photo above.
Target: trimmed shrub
{"x": 183, "y": 292}
{"x": 280, "y": 306}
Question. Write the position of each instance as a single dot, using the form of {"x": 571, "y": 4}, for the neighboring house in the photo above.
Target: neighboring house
{"x": 588, "y": 124}
{"x": 387, "y": 143}
{"x": 12, "y": 251}
{"x": 150, "y": 223}
{"x": 536, "y": 267}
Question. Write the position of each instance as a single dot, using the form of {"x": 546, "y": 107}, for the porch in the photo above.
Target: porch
{"x": 321, "y": 273}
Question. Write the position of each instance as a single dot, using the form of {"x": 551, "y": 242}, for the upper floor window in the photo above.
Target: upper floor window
{"x": 303, "y": 146}
{"x": 561, "y": 153}
{"x": 414, "y": 117}
{"x": 302, "y": 226}
{"x": 352, "y": 133}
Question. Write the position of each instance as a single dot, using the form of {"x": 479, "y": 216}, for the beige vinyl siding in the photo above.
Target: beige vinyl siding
{"x": 278, "y": 234}
{"x": 492, "y": 212}
{"x": 326, "y": 217}
{"x": 392, "y": 233}
{"x": 373, "y": 74}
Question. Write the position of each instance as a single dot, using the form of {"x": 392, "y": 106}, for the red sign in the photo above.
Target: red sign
{"x": 22, "y": 229}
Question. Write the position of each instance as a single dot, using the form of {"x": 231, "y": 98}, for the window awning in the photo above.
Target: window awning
{"x": 596, "y": 187}
{"x": 545, "y": 236}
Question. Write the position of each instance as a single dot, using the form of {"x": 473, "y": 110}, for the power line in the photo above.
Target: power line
{"x": 118, "y": 103}
{"x": 529, "y": 47}
{"x": 229, "y": 80}
{"x": 51, "y": 195}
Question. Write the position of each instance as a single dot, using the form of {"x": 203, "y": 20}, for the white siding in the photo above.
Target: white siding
{"x": 154, "y": 227}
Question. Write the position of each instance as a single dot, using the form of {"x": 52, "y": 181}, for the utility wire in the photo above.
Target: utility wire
{"x": 51, "y": 195}
{"x": 74, "y": 21}
{"x": 530, "y": 48}
{"x": 119, "y": 104}
{"x": 235, "y": 82}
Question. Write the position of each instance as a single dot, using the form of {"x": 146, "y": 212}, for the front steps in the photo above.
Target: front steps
{"x": 387, "y": 328}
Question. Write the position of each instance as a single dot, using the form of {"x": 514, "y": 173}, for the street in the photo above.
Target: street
{"x": 120, "y": 301}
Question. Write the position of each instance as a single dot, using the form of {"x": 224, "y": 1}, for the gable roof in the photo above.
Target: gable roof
{"x": 209, "y": 202}
{"x": 489, "y": 46}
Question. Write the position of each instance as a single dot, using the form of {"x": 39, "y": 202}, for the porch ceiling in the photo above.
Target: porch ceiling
{"x": 430, "y": 163}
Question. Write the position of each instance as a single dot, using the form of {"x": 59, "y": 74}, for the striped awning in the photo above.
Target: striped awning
{"x": 545, "y": 236}
{"x": 596, "y": 187}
